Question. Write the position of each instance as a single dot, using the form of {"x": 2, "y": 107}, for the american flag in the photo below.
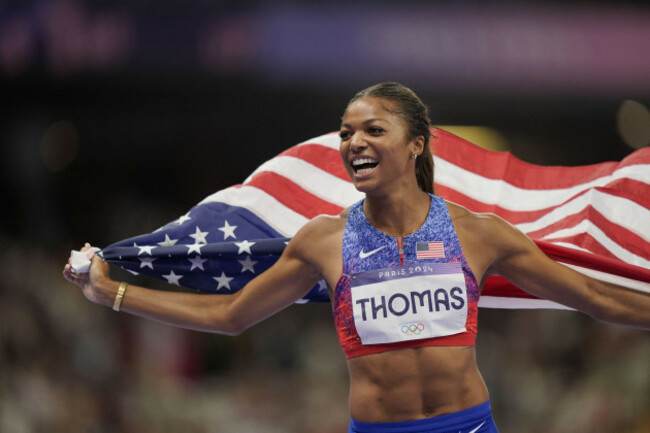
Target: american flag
{"x": 429, "y": 250}
{"x": 595, "y": 219}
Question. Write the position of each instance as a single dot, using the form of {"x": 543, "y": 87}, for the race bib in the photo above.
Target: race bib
{"x": 409, "y": 302}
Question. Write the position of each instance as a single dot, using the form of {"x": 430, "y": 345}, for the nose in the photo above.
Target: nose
{"x": 357, "y": 142}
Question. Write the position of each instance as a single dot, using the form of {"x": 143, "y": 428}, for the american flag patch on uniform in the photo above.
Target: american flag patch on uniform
{"x": 429, "y": 250}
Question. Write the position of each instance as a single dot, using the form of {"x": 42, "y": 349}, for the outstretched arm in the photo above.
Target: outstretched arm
{"x": 289, "y": 279}
{"x": 520, "y": 261}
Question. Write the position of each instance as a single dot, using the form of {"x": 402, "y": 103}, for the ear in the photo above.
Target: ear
{"x": 416, "y": 146}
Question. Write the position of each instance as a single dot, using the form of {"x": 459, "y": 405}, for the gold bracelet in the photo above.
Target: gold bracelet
{"x": 119, "y": 296}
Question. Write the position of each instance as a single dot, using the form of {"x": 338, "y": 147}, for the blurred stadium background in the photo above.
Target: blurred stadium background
{"x": 116, "y": 116}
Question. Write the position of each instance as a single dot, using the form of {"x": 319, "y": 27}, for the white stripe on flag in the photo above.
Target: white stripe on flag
{"x": 518, "y": 303}
{"x": 312, "y": 179}
{"x": 625, "y": 213}
{"x": 617, "y": 210}
{"x": 516, "y": 199}
{"x": 618, "y": 251}
{"x": 282, "y": 219}
{"x": 572, "y": 246}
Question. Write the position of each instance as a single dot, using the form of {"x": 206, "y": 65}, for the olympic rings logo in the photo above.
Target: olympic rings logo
{"x": 412, "y": 329}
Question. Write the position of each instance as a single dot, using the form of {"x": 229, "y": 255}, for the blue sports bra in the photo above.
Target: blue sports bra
{"x": 397, "y": 293}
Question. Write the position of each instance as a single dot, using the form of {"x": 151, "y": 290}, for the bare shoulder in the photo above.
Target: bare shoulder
{"x": 322, "y": 226}
{"x": 476, "y": 224}
{"x": 319, "y": 237}
{"x": 460, "y": 215}
{"x": 319, "y": 244}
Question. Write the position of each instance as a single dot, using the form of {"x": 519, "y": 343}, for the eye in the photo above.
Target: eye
{"x": 345, "y": 135}
{"x": 375, "y": 130}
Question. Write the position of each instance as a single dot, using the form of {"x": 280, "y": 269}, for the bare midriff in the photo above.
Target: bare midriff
{"x": 417, "y": 383}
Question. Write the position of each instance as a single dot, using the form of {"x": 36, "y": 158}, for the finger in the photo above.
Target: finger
{"x": 67, "y": 275}
{"x": 78, "y": 279}
{"x": 68, "y": 272}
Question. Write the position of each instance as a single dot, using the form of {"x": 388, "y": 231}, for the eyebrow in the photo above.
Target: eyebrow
{"x": 365, "y": 122}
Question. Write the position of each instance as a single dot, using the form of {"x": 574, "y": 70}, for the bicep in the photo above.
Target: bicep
{"x": 288, "y": 280}
{"x": 521, "y": 262}
{"x": 299, "y": 268}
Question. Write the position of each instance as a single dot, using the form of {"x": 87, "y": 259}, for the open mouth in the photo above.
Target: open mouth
{"x": 364, "y": 165}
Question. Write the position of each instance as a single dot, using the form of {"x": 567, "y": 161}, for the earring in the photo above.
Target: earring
{"x": 414, "y": 156}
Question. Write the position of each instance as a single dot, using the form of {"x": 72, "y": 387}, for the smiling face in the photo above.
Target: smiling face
{"x": 375, "y": 146}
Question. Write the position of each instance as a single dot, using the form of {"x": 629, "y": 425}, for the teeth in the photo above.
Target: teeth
{"x": 365, "y": 170}
{"x": 363, "y": 161}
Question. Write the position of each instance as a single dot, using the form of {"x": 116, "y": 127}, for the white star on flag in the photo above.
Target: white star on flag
{"x": 194, "y": 248}
{"x": 197, "y": 262}
{"x": 146, "y": 262}
{"x": 183, "y": 218}
{"x": 146, "y": 249}
{"x": 172, "y": 278}
{"x": 199, "y": 236}
{"x": 223, "y": 281}
{"x": 244, "y": 246}
{"x": 168, "y": 242}
{"x": 228, "y": 230}
{"x": 247, "y": 264}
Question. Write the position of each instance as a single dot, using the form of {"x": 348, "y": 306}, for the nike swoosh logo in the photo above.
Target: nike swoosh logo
{"x": 363, "y": 254}
{"x": 476, "y": 429}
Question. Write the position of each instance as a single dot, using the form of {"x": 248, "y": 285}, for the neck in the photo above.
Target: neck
{"x": 397, "y": 214}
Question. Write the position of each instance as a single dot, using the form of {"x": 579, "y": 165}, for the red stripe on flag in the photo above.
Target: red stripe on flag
{"x": 594, "y": 261}
{"x": 632, "y": 190}
{"x": 625, "y": 238}
{"x": 586, "y": 241}
{"x": 499, "y": 286}
{"x": 292, "y": 195}
{"x": 461, "y": 199}
{"x": 505, "y": 166}
{"x": 323, "y": 157}
{"x": 514, "y": 217}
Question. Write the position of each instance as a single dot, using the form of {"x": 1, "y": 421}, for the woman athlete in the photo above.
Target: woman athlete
{"x": 404, "y": 270}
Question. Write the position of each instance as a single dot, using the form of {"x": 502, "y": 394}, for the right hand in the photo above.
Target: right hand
{"x": 96, "y": 283}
